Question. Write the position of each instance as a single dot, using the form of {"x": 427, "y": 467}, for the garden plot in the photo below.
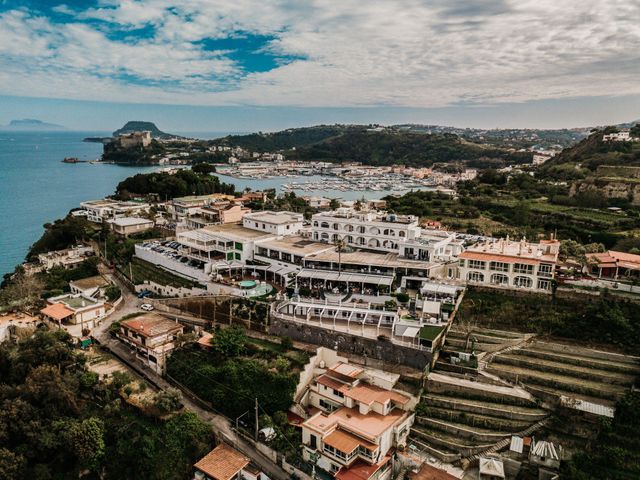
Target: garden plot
{"x": 466, "y": 417}
{"x": 481, "y": 339}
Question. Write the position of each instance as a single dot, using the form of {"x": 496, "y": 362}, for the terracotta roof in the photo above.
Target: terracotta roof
{"x": 346, "y": 442}
{"x": 361, "y": 470}
{"x": 369, "y": 426}
{"x": 327, "y": 381}
{"x": 428, "y": 472}
{"x": 222, "y": 463}
{"x": 368, "y": 394}
{"x": 151, "y": 324}
{"x": 346, "y": 370}
{"x": 57, "y": 311}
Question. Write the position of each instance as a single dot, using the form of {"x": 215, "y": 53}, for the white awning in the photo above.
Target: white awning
{"x": 345, "y": 277}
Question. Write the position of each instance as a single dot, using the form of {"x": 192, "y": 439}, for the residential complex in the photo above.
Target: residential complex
{"x": 152, "y": 337}
{"x": 356, "y": 421}
{"x": 614, "y": 265}
{"x": 509, "y": 264}
{"x": 100, "y": 211}
{"x": 226, "y": 463}
{"x": 74, "y": 309}
{"x": 126, "y": 226}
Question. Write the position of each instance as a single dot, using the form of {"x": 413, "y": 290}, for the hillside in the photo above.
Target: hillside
{"x": 142, "y": 126}
{"x": 584, "y": 158}
{"x": 375, "y": 146}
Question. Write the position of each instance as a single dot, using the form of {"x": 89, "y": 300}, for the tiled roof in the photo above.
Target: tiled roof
{"x": 428, "y": 472}
{"x": 346, "y": 442}
{"x": 151, "y": 324}
{"x": 57, "y": 311}
{"x": 222, "y": 463}
{"x": 368, "y": 394}
{"x": 361, "y": 470}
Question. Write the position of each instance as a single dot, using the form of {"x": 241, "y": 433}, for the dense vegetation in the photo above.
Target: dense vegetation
{"x": 236, "y": 372}
{"x": 603, "y": 320}
{"x": 59, "y": 235}
{"x": 113, "y": 152}
{"x": 615, "y": 454}
{"x": 166, "y": 186}
{"x": 284, "y": 140}
{"x": 58, "y": 421}
{"x": 141, "y": 126}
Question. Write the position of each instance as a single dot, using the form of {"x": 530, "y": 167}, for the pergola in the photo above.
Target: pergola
{"x": 347, "y": 278}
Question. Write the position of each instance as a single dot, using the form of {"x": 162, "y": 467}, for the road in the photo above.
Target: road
{"x": 220, "y": 425}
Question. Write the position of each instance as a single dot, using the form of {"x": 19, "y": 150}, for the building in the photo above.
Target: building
{"x": 509, "y": 264}
{"x": 226, "y": 463}
{"x": 217, "y": 213}
{"x": 275, "y": 223}
{"x": 126, "y": 226}
{"x": 358, "y": 425}
{"x": 181, "y": 208}
{"x": 89, "y": 287}
{"x": 624, "y": 135}
{"x": 152, "y": 336}
{"x": 74, "y": 309}
{"x": 614, "y": 265}
{"x": 99, "y": 211}
{"x": 490, "y": 469}
{"x": 545, "y": 454}
{"x": 134, "y": 139}
{"x": 68, "y": 258}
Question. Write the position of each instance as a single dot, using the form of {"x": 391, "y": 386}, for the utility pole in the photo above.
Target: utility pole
{"x": 256, "y": 432}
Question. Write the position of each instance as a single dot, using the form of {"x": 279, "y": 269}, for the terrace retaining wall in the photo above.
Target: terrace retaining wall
{"x": 351, "y": 344}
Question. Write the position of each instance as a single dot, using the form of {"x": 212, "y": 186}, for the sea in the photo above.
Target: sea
{"x": 37, "y": 188}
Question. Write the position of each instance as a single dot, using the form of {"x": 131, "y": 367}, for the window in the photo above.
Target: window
{"x": 523, "y": 268}
{"x": 330, "y": 407}
{"x": 479, "y": 264}
{"x": 315, "y": 223}
{"x": 499, "y": 266}
{"x": 361, "y": 229}
{"x": 524, "y": 282}
{"x": 313, "y": 442}
{"x": 324, "y": 225}
{"x": 239, "y": 246}
{"x": 338, "y": 393}
{"x": 499, "y": 279}
{"x": 545, "y": 270}
{"x": 475, "y": 277}
{"x": 544, "y": 284}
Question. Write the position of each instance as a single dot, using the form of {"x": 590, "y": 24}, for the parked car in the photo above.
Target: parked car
{"x": 147, "y": 307}
{"x": 144, "y": 293}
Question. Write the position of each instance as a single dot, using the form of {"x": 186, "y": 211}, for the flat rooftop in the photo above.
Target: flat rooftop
{"x": 131, "y": 221}
{"x": 507, "y": 250}
{"x": 232, "y": 231}
{"x": 276, "y": 218}
{"x": 151, "y": 324}
{"x": 296, "y": 245}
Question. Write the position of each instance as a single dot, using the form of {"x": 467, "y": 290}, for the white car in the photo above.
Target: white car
{"x": 146, "y": 307}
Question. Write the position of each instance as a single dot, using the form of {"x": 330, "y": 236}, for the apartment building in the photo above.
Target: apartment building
{"x": 68, "y": 258}
{"x": 126, "y": 226}
{"x": 510, "y": 264}
{"x": 152, "y": 336}
{"x": 217, "y": 213}
{"x": 275, "y": 223}
{"x": 370, "y": 229}
{"x": 99, "y": 211}
{"x": 181, "y": 208}
{"x": 357, "y": 425}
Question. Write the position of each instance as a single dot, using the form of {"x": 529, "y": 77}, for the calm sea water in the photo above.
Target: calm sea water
{"x": 36, "y": 188}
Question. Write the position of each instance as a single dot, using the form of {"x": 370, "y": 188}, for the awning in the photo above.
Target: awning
{"x": 345, "y": 277}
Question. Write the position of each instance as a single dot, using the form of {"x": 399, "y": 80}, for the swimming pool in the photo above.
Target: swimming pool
{"x": 262, "y": 289}
{"x": 247, "y": 284}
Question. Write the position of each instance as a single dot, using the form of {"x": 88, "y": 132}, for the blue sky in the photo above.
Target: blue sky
{"x": 244, "y": 65}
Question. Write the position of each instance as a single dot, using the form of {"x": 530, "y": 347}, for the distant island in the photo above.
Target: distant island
{"x": 31, "y": 125}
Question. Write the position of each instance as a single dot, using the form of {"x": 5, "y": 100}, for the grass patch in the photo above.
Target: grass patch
{"x": 430, "y": 332}
{"x": 143, "y": 270}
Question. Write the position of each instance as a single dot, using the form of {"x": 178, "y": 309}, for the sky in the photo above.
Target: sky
{"x": 245, "y": 65}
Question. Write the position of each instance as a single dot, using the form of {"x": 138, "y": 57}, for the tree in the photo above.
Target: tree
{"x": 203, "y": 168}
{"x": 86, "y": 439}
{"x": 229, "y": 342}
{"x": 167, "y": 401}
{"x": 112, "y": 292}
{"x": 11, "y": 465}
{"x": 334, "y": 204}
{"x": 340, "y": 244}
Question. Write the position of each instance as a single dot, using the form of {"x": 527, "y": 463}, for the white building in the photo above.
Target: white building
{"x": 99, "y": 211}
{"x": 275, "y": 223}
{"x": 68, "y": 258}
{"x": 359, "y": 423}
{"x": 623, "y": 135}
{"x": 126, "y": 226}
{"x": 509, "y": 264}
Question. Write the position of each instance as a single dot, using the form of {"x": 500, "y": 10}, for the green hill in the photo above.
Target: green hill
{"x": 375, "y": 146}
{"x": 142, "y": 126}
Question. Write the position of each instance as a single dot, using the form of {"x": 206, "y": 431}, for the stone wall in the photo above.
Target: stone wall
{"x": 350, "y": 344}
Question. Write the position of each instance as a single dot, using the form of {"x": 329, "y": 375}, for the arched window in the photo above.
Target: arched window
{"x": 402, "y": 233}
{"x": 315, "y": 223}
{"x": 349, "y": 228}
{"x": 523, "y": 282}
{"x": 336, "y": 226}
{"x": 475, "y": 277}
{"x": 335, "y": 237}
{"x": 361, "y": 229}
{"x": 325, "y": 236}
{"x": 315, "y": 235}
{"x": 374, "y": 231}
{"x": 324, "y": 225}
{"x": 373, "y": 243}
{"x": 361, "y": 241}
{"x": 499, "y": 279}
{"x": 348, "y": 239}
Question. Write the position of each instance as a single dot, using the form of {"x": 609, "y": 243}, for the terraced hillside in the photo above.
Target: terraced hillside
{"x": 459, "y": 418}
{"x": 481, "y": 339}
{"x": 555, "y": 370}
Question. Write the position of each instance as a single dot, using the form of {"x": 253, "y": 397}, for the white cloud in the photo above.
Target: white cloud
{"x": 405, "y": 53}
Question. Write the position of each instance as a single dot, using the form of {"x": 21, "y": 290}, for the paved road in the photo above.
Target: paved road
{"x": 221, "y": 425}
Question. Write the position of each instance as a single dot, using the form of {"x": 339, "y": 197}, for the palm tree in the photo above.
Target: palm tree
{"x": 340, "y": 243}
